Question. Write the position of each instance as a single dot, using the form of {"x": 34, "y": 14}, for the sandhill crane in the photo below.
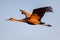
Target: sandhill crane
{"x": 35, "y": 17}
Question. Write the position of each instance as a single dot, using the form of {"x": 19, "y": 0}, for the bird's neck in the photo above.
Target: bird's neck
{"x": 20, "y": 20}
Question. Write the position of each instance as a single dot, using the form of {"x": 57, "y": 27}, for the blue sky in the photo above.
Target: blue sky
{"x": 22, "y": 31}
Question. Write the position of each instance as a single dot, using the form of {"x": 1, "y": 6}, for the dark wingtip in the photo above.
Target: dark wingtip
{"x": 49, "y": 9}
{"x": 20, "y": 10}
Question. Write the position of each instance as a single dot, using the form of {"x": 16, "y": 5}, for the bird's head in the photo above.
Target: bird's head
{"x": 12, "y": 19}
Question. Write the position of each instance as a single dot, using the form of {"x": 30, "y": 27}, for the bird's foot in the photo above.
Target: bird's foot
{"x": 49, "y": 25}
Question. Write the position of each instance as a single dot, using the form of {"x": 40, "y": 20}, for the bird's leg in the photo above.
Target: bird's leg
{"x": 42, "y": 22}
{"x": 47, "y": 25}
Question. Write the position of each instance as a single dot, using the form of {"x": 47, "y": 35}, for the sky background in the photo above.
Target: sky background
{"x": 22, "y": 31}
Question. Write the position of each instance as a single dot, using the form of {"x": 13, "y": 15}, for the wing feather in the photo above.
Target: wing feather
{"x": 26, "y": 13}
{"x": 39, "y": 12}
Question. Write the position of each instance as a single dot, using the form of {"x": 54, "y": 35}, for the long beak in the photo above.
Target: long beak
{"x": 7, "y": 19}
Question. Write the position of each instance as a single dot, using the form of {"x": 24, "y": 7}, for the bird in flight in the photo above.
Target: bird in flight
{"x": 35, "y": 17}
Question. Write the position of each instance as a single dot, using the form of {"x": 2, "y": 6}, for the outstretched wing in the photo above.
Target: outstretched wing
{"x": 26, "y": 13}
{"x": 39, "y": 13}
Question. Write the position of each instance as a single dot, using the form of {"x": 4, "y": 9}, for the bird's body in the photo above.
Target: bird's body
{"x": 35, "y": 17}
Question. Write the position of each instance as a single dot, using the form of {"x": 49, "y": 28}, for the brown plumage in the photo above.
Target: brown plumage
{"x": 35, "y": 17}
